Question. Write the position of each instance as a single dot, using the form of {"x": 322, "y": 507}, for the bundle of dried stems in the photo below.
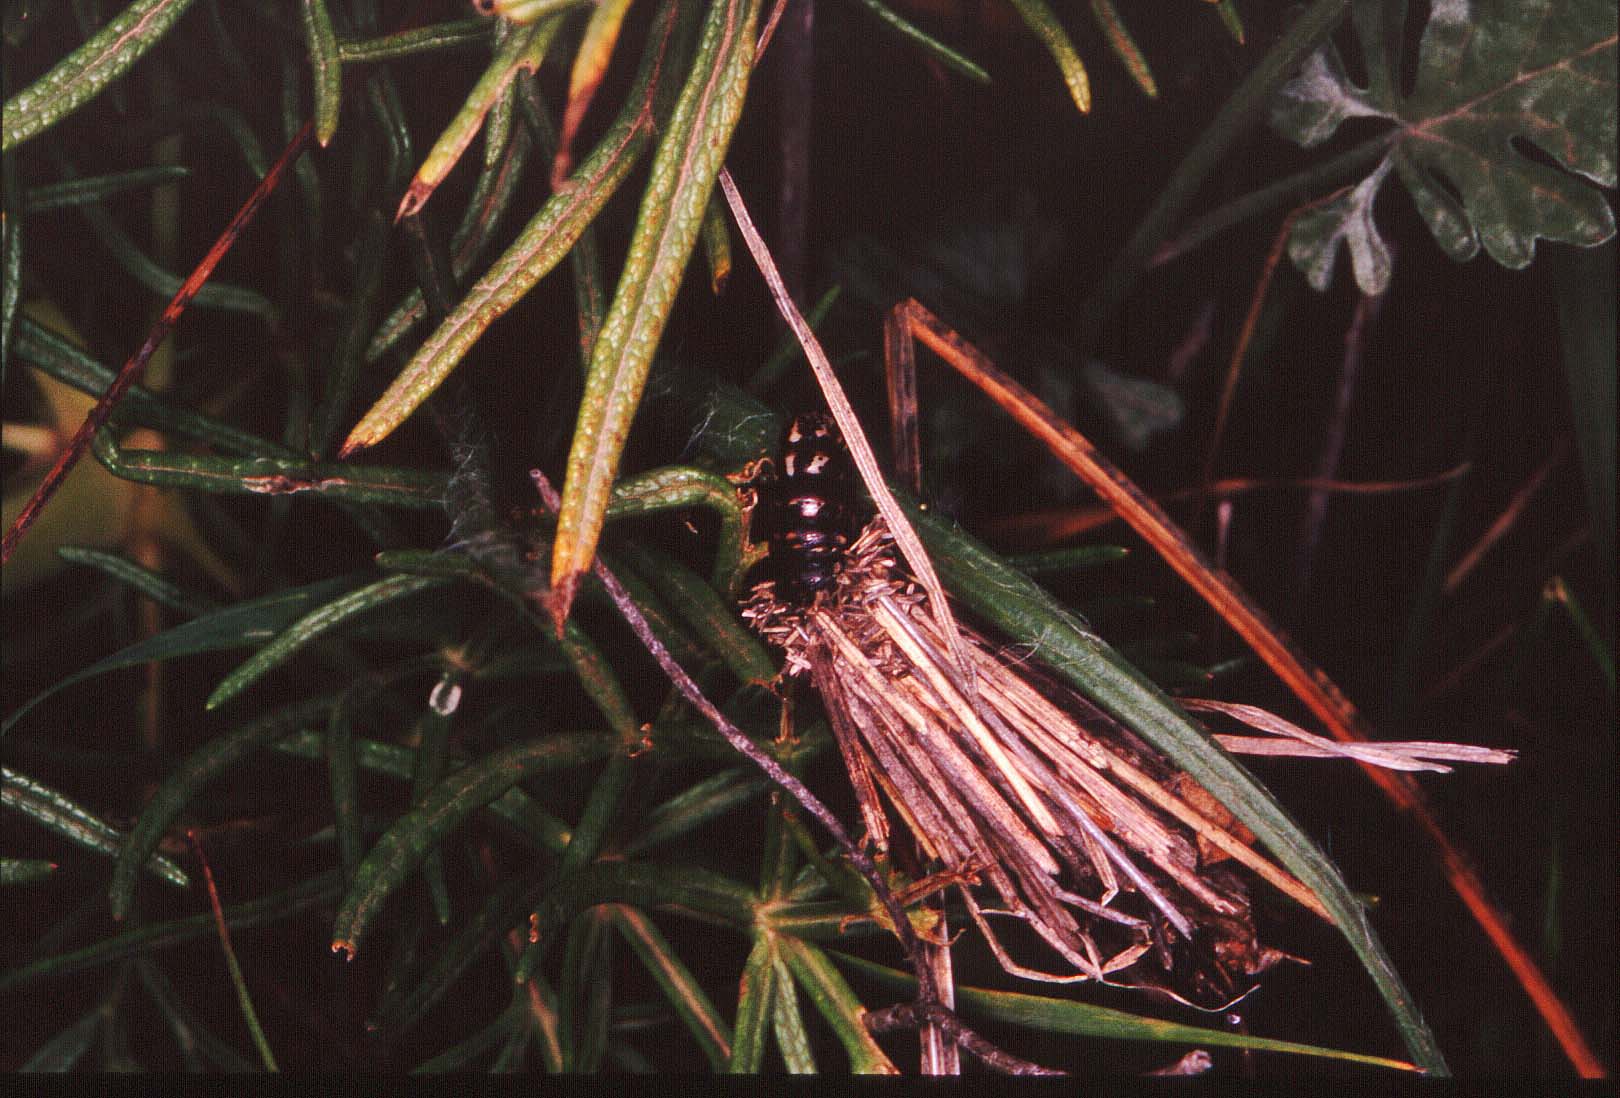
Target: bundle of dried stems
{"x": 1013, "y": 784}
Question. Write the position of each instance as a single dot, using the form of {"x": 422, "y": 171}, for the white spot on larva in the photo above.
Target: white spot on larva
{"x": 817, "y": 463}
{"x": 789, "y": 463}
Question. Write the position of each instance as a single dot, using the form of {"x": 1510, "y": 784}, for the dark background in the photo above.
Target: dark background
{"x": 1028, "y": 201}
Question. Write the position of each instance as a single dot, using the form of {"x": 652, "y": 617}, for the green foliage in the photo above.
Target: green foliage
{"x": 1489, "y": 73}
{"x": 539, "y": 854}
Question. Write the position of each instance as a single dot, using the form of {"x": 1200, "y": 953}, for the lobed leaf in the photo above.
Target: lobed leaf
{"x": 1489, "y": 73}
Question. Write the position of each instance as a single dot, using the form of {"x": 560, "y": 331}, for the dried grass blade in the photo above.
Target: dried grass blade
{"x": 860, "y": 449}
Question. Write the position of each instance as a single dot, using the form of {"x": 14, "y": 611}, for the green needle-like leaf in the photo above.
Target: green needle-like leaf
{"x": 1583, "y": 283}
{"x": 439, "y": 36}
{"x": 755, "y": 997}
{"x": 264, "y": 911}
{"x": 64, "y": 1050}
{"x": 238, "y": 626}
{"x": 160, "y": 589}
{"x": 187, "y": 780}
{"x": 521, "y": 50}
{"x": 933, "y": 46}
{"x": 689, "y": 157}
{"x": 1124, "y": 46}
{"x": 315, "y": 624}
{"x": 515, "y": 807}
{"x": 403, "y": 1006}
{"x": 85, "y": 73}
{"x": 701, "y": 607}
{"x": 680, "y": 987}
{"x": 696, "y": 806}
{"x": 15, "y": 871}
{"x": 79, "y": 192}
{"x": 402, "y": 848}
{"x": 57, "y": 812}
{"x": 1043, "y": 23}
{"x": 326, "y": 67}
{"x": 837, "y": 1003}
{"x": 539, "y": 248}
{"x": 788, "y": 1022}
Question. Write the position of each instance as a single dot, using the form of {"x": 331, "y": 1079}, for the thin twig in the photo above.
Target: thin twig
{"x": 237, "y": 980}
{"x": 745, "y": 746}
{"x": 1063, "y": 523}
{"x": 136, "y": 366}
{"x": 1362, "y": 323}
{"x": 913, "y": 1015}
{"x": 1508, "y": 518}
{"x": 1240, "y": 349}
